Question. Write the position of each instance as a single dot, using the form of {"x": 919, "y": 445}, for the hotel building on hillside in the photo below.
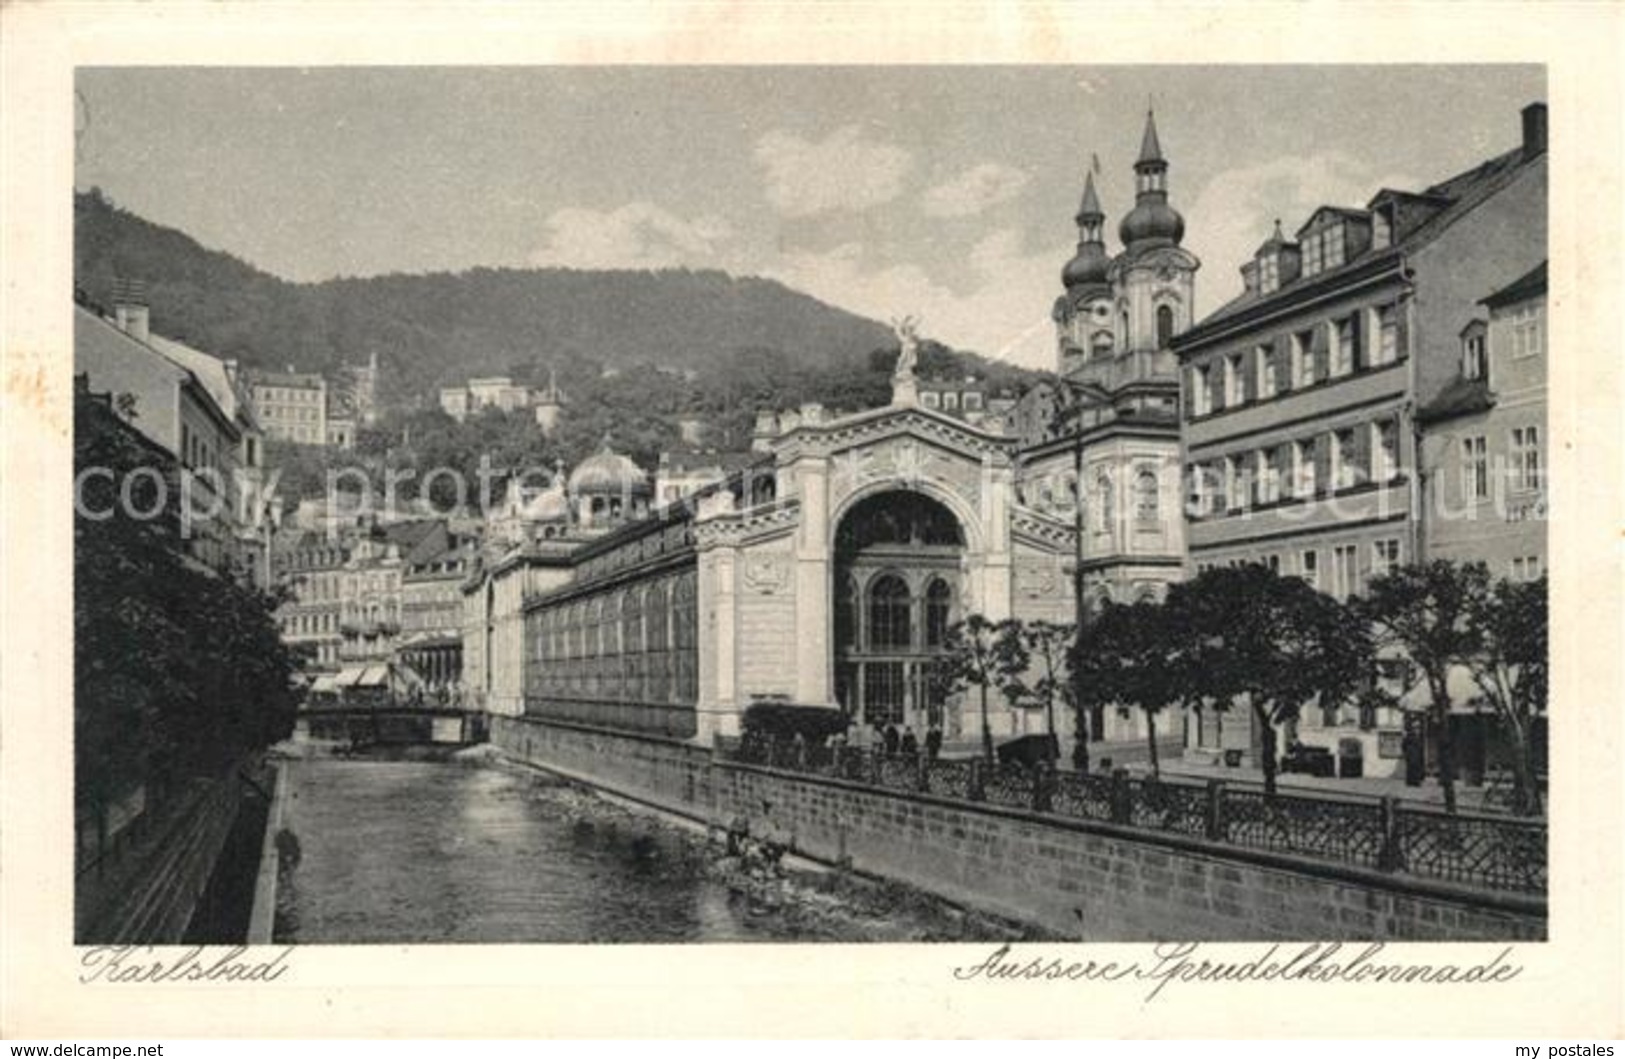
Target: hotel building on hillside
{"x": 1301, "y": 396}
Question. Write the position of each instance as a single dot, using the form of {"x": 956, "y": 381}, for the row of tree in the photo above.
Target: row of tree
{"x": 1245, "y": 637}
{"x": 178, "y": 670}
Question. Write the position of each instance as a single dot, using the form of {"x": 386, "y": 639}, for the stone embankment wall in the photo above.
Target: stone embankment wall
{"x": 1077, "y": 878}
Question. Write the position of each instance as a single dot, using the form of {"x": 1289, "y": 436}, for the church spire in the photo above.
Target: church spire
{"x": 1150, "y": 146}
{"x": 1088, "y": 266}
{"x": 1152, "y": 222}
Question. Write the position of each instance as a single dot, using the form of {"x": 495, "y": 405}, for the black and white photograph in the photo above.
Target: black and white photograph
{"x": 882, "y": 529}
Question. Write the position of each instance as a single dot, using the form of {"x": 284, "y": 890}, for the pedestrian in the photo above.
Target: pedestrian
{"x": 890, "y": 738}
{"x": 910, "y": 745}
{"x": 933, "y": 743}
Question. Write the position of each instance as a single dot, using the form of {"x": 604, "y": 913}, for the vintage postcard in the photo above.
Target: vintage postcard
{"x": 685, "y": 520}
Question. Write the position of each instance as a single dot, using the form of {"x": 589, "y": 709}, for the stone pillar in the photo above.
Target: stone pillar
{"x": 998, "y": 484}
{"x": 814, "y": 664}
{"x": 717, "y": 708}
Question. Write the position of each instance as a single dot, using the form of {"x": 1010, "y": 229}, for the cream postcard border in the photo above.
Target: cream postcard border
{"x": 1570, "y": 985}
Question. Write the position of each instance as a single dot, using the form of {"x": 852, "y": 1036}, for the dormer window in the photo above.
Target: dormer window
{"x": 1323, "y": 249}
{"x": 1269, "y": 273}
{"x": 1382, "y": 229}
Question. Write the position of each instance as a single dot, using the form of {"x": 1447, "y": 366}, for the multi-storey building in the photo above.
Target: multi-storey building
{"x": 497, "y": 391}
{"x": 1300, "y": 394}
{"x": 292, "y": 406}
{"x": 371, "y": 596}
{"x": 682, "y": 473}
{"x": 432, "y": 614}
{"x": 190, "y": 404}
{"x": 1483, "y": 457}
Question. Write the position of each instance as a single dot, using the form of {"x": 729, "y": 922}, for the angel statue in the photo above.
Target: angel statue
{"x": 908, "y": 342}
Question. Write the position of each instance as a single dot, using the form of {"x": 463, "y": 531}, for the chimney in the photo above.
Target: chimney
{"x": 1534, "y": 130}
{"x": 130, "y": 308}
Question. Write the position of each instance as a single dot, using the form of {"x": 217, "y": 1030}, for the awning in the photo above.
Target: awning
{"x": 374, "y": 676}
{"x": 326, "y": 682}
{"x": 348, "y": 677}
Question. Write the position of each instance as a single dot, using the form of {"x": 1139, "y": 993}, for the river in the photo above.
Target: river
{"x": 483, "y": 851}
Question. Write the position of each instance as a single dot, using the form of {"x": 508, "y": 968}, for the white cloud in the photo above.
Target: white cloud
{"x": 1004, "y": 315}
{"x": 973, "y": 191}
{"x": 843, "y": 172}
{"x": 637, "y": 235}
{"x": 1237, "y": 210}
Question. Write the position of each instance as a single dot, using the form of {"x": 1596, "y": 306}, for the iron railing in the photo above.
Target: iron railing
{"x": 1385, "y": 834}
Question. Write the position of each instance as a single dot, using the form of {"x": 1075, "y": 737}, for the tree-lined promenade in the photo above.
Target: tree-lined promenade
{"x": 1244, "y": 638}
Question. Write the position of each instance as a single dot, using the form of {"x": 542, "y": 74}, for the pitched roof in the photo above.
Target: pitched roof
{"x": 1465, "y": 192}
{"x": 1460, "y": 397}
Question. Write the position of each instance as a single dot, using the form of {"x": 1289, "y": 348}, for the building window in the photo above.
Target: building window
{"x": 1269, "y": 273}
{"x": 929, "y": 399}
{"x": 950, "y": 402}
{"x": 1303, "y": 468}
{"x": 1343, "y": 459}
{"x": 1269, "y": 477}
{"x": 1147, "y": 502}
{"x": 1104, "y": 509}
{"x": 1309, "y": 568}
{"x": 1474, "y": 363}
{"x": 1235, "y": 492}
{"x": 1272, "y": 563}
{"x": 1303, "y": 359}
{"x": 1342, "y": 346}
{"x": 1384, "y": 556}
{"x": 1234, "y": 386}
{"x": 1384, "y": 450}
{"x": 1165, "y": 326}
{"x": 1382, "y": 230}
{"x": 1525, "y": 459}
{"x": 1475, "y": 467}
{"x": 1526, "y": 332}
{"x": 1323, "y": 249}
{"x": 883, "y": 692}
{"x": 973, "y": 402}
{"x": 1345, "y": 570}
{"x": 1199, "y": 499}
{"x": 1201, "y": 391}
{"x": 1384, "y": 334}
{"x": 889, "y": 619}
{"x": 1526, "y": 568}
{"x": 1264, "y": 361}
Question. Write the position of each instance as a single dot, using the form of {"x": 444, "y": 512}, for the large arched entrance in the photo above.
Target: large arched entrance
{"x": 897, "y": 585}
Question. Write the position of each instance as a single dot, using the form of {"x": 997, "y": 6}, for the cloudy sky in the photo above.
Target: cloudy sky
{"x": 942, "y": 191}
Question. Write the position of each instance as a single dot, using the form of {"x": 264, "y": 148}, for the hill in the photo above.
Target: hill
{"x": 434, "y": 329}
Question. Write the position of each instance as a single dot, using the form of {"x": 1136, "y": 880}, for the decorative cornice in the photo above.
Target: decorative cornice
{"x": 748, "y": 526}
{"x": 825, "y": 439}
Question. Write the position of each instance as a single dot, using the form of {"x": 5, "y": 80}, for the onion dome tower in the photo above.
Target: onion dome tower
{"x": 1152, "y": 222}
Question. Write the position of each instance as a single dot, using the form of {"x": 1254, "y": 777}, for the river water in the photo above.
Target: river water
{"x": 485, "y": 852}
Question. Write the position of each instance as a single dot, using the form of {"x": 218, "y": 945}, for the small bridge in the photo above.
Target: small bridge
{"x": 394, "y": 724}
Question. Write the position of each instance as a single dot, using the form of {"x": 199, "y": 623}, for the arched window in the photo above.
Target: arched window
{"x": 889, "y": 624}
{"x": 1100, "y": 346}
{"x": 1147, "y": 503}
{"x": 1165, "y": 326}
{"x": 939, "y": 599}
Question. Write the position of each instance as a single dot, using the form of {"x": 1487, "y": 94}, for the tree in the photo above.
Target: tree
{"x": 1274, "y": 641}
{"x": 1033, "y": 665}
{"x": 1424, "y": 611}
{"x": 178, "y": 669}
{"x": 1507, "y": 656}
{"x": 972, "y": 658}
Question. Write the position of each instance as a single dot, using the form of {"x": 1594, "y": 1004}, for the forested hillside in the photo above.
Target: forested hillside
{"x": 433, "y": 329}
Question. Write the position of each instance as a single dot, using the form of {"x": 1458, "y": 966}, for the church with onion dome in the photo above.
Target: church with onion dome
{"x": 828, "y": 568}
